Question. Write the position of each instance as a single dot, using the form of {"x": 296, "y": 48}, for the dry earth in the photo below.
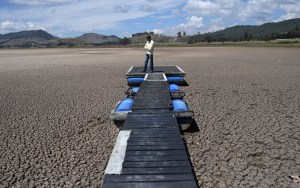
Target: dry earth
{"x": 55, "y": 104}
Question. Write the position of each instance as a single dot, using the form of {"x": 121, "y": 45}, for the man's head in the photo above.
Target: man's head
{"x": 148, "y": 38}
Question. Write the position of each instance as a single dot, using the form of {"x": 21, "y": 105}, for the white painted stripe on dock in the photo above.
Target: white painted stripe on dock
{"x": 165, "y": 77}
{"x": 146, "y": 77}
{"x": 129, "y": 70}
{"x": 180, "y": 69}
{"x": 116, "y": 160}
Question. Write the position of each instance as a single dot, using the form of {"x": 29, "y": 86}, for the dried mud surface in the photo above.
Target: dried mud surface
{"x": 55, "y": 105}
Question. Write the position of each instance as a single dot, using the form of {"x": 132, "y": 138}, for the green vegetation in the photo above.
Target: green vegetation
{"x": 266, "y": 32}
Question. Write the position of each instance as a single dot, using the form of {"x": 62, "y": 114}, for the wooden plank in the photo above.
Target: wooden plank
{"x": 149, "y": 178}
{"x": 153, "y": 95}
{"x": 168, "y": 137}
{"x": 142, "y": 118}
{"x": 152, "y": 130}
{"x": 147, "y": 132}
{"x": 166, "y": 170}
{"x": 154, "y": 143}
{"x": 148, "y": 126}
{"x": 153, "y": 122}
{"x": 152, "y": 111}
{"x": 160, "y": 164}
{"x": 173, "y": 184}
{"x": 148, "y": 136}
{"x": 146, "y": 119}
{"x": 162, "y": 117}
{"x": 152, "y": 98}
{"x": 154, "y": 91}
{"x": 150, "y": 158}
{"x": 155, "y": 131}
{"x": 152, "y": 119}
{"x": 155, "y": 113}
{"x": 136, "y": 115}
{"x": 157, "y": 135}
{"x": 151, "y": 125}
{"x": 170, "y": 130}
{"x": 156, "y": 152}
{"x": 171, "y": 120}
{"x": 166, "y": 123}
{"x": 154, "y": 139}
{"x": 157, "y": 105}
{"x": 142, "y": 148}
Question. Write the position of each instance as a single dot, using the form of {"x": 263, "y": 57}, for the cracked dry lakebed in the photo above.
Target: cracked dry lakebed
{"x": 55, "y": 104}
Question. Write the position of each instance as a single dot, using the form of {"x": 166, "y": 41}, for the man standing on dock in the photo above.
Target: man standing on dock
{"x": 149, "y": 46}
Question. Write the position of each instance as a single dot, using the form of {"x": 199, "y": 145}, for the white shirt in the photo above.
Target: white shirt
{"x": 149, "y": 46}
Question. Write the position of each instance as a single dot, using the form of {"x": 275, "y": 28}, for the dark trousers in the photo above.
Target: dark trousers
{"x": 148, "y": 56}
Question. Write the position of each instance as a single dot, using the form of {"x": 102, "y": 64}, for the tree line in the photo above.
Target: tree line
{"x": 245, "y": 34}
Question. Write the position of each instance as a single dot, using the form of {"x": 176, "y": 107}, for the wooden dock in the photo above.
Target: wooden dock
{"x": 155, "y": 154}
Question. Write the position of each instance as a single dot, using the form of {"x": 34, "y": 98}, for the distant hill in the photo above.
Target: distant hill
{"x": 141, "y": 38}
{"x": 94, "y": 38}
{"x": 27, "y": 39}
{"x": 265, "y": 31}
{"x": 40, "y": 38}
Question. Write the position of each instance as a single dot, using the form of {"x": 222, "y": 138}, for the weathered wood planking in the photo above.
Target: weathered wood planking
{"x": 155, "y": 155}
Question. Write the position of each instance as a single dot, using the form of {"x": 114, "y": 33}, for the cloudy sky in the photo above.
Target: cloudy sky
{"x": 68, "y": 18}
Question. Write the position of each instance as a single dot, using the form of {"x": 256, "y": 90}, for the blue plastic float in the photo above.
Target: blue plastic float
{"x": 174, "y": 88}
{"x": 179, "y": 105}
{"x": 135, "y": 89}
{"x": 175, "y": 79}
{"x": 125, "y": 105}
{"x": 133, "y": 80}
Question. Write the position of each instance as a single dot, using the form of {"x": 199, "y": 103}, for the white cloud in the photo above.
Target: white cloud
{"x": 193, "y": 22}
{"x": 78, "y": 16}
{"x": 192, "y": 25}
{"x": 41, "y": 2}
{"x": 227, "y": 13}
{"x": 84, "y": 16}
{"x": 258, "y": 10}
{"x": 9, "y": 26}
{"x": 292, "y": 6}
{"x": 212, "y": 8}
{"x": 216, "y": 24}
{"x": 287, "y": 17}
{"x": 292, "y": 10}
{"x": 159, "y": 31}
{"x": 262, "y": 11}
